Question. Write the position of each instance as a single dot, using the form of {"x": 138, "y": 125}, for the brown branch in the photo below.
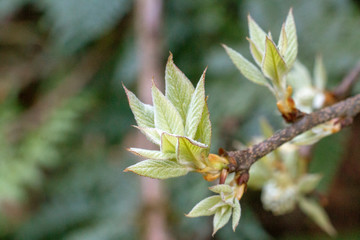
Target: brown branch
{"x": 344, "y": 88}
{"x": 242, "y": 160}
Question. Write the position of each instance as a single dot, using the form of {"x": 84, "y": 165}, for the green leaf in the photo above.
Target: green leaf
{"x": 168, "y": 143}
{"x": 221, "y": 188}
{"x": 152, "y": 154}
{"x": 308, "y": 183}
{"x": 191, "y": 153}
{"x": 178, "y": 88}
{"x": 257, "y": 35}
{"x": 317, "y": 214}
{"x": 143, "y": 113}
{"x": 320, "y": 77}
{"x": 196, "y": 107}
{"x": 236, "y": 215}
{"x": 203, "y": 133}
{"x": 299, "y": 77}
{"x": 152, "y": 134}
{"x": 273, "y": 65}
{"x": 160, "y": 169}
{"x": 221, "y": 217}
{"x": 283, "y": 42}
{"x": 292, "y": 44}
{"x": 246, "y": 68}
{"x": 166, "y": 118}
{"x": 255, "y": 52}
{"x": 202, "y": 208}
{"x": 219, "y": 205}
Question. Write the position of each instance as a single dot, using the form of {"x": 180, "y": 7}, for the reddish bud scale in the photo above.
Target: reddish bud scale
{"x": 288, "y": 108}
{"x": 223, "y": 175}
{"x": 243, "y": 178}
{"x": 330, "y": 99}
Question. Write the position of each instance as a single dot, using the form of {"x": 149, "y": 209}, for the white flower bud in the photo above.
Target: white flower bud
{"x": 278, "y": 199}
{"x": 319, "y": 100}
{"x": 304, "y": 98}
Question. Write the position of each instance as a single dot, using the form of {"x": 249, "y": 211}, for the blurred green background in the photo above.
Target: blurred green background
{"x": 65, "y": 121}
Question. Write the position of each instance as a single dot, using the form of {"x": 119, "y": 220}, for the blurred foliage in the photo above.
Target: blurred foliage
{"x": 333, "y": 155}
{"x": 22, "y": 161}
{"x": 74, "y": 23}
{"x": 89, "y": 201}
{"x": 8, "y": 7}
{"x": 67, "y": 173}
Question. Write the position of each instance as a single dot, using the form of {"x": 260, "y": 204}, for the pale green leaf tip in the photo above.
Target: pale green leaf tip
{"x": 268, "y": 38}
{"x": 170, "y": 58}
{"x": 291, "y": 11}
{"x": 290, "y": 15}
{"x": 138, "y": 127}
{"x": 250, "y": 19}
{"x": 127, "y": 91}
{"x": 189, "y": 215}
{"x": 154, "y": 88}
{"x": 215, "y": 231}
{"x": 124, "y": 87}
{"x": 228, "y": 49}
{"x": 133, "y": 152}
{"x": 202, "y": 78}
{"x": 234, "y": 227}
{"x": 251, "y": 41}
{"x": 205, "y": 70}
{"x": 224, "y": 46}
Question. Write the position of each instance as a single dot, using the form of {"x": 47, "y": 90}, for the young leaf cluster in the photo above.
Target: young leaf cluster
{"x": 274, "y": 60}
{"x": 222, "y": 206}
{"x": 282, "y": 74}
{"x": 179, "y": 123}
